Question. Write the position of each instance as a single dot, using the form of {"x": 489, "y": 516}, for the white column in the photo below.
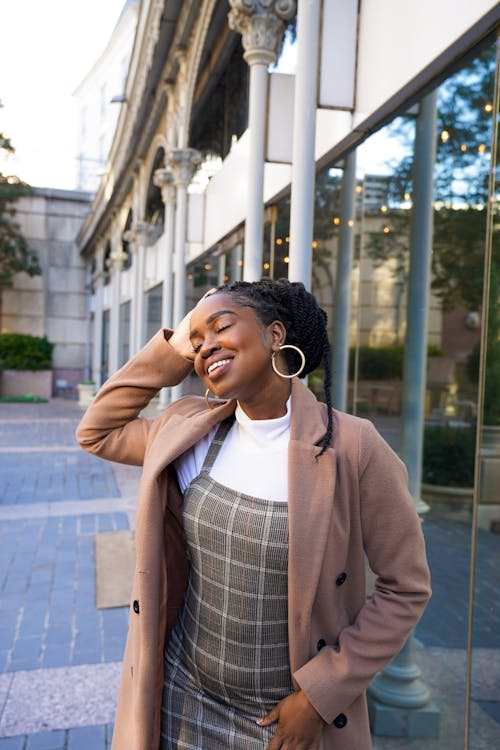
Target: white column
{"x": 98, "y": 282}
{"x": 304, "y": 127}
{"x": 261, "y": 24}
{"x": 118, "y": 258}
{"x": 163, "y": 179}
{"x": 137, "y": 237}
{"x": 182, "y": 162}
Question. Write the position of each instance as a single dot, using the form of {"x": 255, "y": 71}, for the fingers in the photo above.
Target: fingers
{"x": 269, "y": 718}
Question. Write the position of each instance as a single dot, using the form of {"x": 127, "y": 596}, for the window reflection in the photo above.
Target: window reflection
{"x": 469, "y": 711}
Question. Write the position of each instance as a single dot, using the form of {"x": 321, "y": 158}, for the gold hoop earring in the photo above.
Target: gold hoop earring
{"x": 209, "y": 405}
{"x": 301, "y": 355}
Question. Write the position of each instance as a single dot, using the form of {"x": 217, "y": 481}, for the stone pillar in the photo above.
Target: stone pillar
{"x": 137, "y": 237}
{"x": 118, "y": 258}
{"x": 261, "y": 24}
{"x": 340, "y": 349}
{"x": 304, "y": 138}
{"x": 182, "y": 162}
{"x": 98, "y": 283}
{"x": 163, "y": 179}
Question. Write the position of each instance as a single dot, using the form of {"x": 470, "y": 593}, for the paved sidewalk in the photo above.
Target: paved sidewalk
{"x": 60, "y": 657}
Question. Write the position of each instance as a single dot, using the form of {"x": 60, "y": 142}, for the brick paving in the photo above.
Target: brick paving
{"x": 60, "y": 656}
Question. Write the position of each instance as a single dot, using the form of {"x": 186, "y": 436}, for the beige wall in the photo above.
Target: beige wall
{"x": 53, "y": 304}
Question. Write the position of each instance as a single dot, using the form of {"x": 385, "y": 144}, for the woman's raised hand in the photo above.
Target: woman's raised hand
{"x": 180, "y": 338}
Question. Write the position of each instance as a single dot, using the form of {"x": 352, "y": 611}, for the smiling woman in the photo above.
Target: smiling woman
{"x": 249, "y": 625}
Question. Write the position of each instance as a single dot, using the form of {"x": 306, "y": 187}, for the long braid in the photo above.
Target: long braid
{"x": 304, "y": 321}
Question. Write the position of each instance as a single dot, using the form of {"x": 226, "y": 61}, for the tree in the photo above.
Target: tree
{"x": 15, "y": 254}
{"x": 460, "y": 187}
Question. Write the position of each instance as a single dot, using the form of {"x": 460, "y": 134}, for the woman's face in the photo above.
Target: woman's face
{"x": 233, "y": 348}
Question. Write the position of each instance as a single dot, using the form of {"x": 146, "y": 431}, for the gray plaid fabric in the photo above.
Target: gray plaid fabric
{"x": 226, "y": 660}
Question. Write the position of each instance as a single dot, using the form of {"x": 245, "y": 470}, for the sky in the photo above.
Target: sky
{"x": 46, "y": 49}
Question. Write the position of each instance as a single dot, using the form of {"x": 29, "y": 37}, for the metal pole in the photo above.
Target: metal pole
{"x": 398, "y": 693}
{"x": 415, "y": 358}
{"x": 343, "y": 283}
{"x": 304, "y": 127}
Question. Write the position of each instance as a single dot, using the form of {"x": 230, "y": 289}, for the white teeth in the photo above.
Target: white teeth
{"x": 217, "y": 364}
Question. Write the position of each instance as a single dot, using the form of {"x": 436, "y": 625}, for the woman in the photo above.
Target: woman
{"x": 249, "y": 625}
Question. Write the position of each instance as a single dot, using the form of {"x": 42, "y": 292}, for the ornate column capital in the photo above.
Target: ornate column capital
{"x": 117, "y": 259}
{"x": 138, "y": 234}
{"x": 164, "y": 179}
{"x": 261, "y": 24}
{"x": 182, "y": 163}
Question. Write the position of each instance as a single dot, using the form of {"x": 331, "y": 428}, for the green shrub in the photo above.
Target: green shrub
{"x": 20, "y": 351}
{"x": 449, "y": 456}
{"x": 382, "y": 362}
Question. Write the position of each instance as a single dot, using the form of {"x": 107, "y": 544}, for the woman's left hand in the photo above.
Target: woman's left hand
{"x": 299, "y": 724}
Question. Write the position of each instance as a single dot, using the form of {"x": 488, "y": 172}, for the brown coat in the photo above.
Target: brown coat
{"x": 353, "y": 500}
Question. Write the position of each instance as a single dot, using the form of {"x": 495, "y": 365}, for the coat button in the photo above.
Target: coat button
{"x": 321, "y": 644}
{"x": 340, "y": 721}
{"x": 341, "y": 579}
{"x": 135, "y": 606}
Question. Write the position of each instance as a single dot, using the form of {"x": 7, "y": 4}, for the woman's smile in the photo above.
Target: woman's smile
{"x": 218, "y": 368}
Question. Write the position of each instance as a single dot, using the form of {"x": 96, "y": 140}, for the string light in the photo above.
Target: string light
{"x": 384, "y": 209}
{"x": 287, "y": 239}
{"x": 488, "y": 107}
{"x": 336, "y": 220}
{"x": 407, "y": 196}
{"x": 386, "y": 230}
{"x": 445, "y": 136}
{"x": 286, "y": 259}
{"x": 350, "y": 223}
{"x": 314, "y": 244}
{"x": 208, "y": 267}
{"x": 463, "y": 147}
{"x": 266, "y": 266}
{"x": 481, "y": 148}
{"x": 279, "y": 241}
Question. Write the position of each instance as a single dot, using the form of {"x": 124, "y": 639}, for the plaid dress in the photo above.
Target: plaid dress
{"x": 227, "y": 660}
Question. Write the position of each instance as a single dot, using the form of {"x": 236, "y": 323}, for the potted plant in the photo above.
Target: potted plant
{"x": 86, "y": 392}
{"x": 448, "y": 469}
{"x": 27, "y": 365}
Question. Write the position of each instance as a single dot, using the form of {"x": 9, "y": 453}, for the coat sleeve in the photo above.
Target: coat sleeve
{"x": 111, "y": 427}
{"x": 394, "y": 545}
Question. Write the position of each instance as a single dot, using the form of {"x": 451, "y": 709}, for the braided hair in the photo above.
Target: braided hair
{"x": 304, "y": 321}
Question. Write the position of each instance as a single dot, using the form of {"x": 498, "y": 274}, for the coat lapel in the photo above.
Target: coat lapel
{"x": 180, "y": 432}
{"x": 311, "y": 485}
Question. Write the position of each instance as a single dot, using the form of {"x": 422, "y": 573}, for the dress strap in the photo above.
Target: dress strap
{"x": 216, "y": 443}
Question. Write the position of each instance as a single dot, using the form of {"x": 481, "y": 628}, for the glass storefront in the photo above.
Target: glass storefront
{"x": 456, "y": 645}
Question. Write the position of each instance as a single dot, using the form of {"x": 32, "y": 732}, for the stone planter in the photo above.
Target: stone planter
{"x": 86, "y": 392}
{"x": 22, "y": 382}
{"x": 489, "y": 493}
{"x": 452, "y": 502}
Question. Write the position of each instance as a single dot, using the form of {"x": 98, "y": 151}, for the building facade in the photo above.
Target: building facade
{"x": 368, "y": 173}
{"x": 99, "y": 98}
{"x": 56, "y": 303}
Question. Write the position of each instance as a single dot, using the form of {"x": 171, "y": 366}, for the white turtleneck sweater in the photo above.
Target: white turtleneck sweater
{"x": 253, "y": 458}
